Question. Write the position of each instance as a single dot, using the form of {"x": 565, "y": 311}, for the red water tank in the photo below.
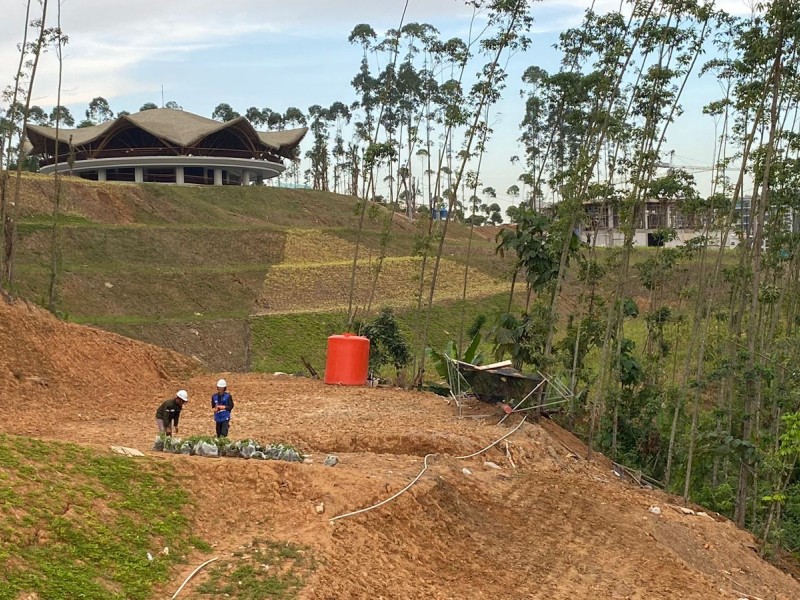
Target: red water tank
{"x": 348, "y": 360}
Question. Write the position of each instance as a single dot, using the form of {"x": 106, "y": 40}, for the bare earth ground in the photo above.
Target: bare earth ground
{"x": 550, "y": 525}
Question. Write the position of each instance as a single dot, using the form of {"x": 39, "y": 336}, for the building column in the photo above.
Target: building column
{"x": 101, "y": 175}
{"x": 245, "y": 177}
{"x": 179, "y": 175}
{"x": 217, "y": 176}
{"x": 138, "y": 174}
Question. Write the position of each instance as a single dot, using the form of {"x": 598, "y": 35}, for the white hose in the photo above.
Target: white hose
{"x": 175, "y": 595}
{"x": 425, "y": 468}
{"x": 389, "y": 499}
{"x": 495, "y": 442}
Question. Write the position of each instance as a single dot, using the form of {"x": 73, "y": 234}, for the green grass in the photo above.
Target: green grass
{"x": 200, "y": 270}
{"x": 180, "y": 318}
{"x": 42, "y": 221}
{"x": 279, "y": 207}
{"x": 155, "y": 298}
{"x": 133, "y": 256}
{"x": 201, "y": 545}
{"x": 278, "y": 341}
{"x": 265, "y": 569}
{"x": 117, "y": 248}
{"x": 76, "y": 523}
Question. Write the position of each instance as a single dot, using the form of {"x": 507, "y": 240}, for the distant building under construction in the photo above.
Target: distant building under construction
{"x": 603, "y": 225}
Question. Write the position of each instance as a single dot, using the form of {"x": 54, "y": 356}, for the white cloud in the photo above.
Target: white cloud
{"x": 114, "y": 41}
{"x": 557, "y": 15}
{"x": 109, "y": 39}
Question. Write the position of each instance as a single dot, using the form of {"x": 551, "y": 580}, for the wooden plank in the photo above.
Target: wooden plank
{"x": 497, "y": 365}
{"x": 126, "y": 451}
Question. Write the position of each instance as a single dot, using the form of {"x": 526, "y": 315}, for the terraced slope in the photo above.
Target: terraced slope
{"x": 195, "y": 269}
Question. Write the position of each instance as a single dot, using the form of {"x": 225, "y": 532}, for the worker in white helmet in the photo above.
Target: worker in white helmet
{"x": 169, "y": 413}
{"x": 222, "y": 405}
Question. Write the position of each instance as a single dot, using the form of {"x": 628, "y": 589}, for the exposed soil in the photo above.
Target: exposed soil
{"x": 546, "y": 524}
{"x": 219, "y": 344}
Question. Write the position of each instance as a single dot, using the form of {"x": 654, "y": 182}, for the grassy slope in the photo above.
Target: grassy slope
{"x": 183, "y": 267}
{"x": 280, "y": 340}
{"x": 79, "y": 524}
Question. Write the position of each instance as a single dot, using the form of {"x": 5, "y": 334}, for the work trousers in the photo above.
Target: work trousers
{"x": 222, "y": 428}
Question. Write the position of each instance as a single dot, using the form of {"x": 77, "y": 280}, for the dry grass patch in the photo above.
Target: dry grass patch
{"x": 325, "y": 287}
{"x": 309, "y": 246}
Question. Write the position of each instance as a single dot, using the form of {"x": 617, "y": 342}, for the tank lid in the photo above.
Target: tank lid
{"x": 348, "y": 335}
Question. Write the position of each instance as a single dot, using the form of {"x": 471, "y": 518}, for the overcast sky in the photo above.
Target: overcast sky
{"x": 277, "y": 54}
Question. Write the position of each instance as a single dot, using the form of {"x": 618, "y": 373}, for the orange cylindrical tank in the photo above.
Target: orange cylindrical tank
{"x": 348, "y": 360}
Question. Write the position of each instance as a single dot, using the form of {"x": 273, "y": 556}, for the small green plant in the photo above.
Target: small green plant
{"x": 200, "y": 544}
{"x": 387, "y": 343}
{"x": 206, "y": 445}
{"x": 264, "y": 569}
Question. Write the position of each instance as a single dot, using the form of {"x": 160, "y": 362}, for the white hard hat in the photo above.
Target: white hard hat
{"x": 183, "y": 395}
{"x": 222, "y": 383}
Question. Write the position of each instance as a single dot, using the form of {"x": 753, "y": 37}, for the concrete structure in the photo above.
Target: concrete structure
{"x": 603, "y": 223}
{"x": 165, "y": 146}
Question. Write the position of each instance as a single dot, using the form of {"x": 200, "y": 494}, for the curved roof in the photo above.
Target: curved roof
{"x": 175, "y": 126}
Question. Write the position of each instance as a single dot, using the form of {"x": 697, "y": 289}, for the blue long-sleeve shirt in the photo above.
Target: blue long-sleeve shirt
{"x": 222, "y": 399}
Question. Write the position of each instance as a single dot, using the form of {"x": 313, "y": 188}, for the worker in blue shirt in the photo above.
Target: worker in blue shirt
{"x": 222, "y": 405}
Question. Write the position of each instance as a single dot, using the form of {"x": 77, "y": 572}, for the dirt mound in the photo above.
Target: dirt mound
{"x": 52, "y": 362}
{"x": 540, "y": 522}
{"x": 89, "y": 199}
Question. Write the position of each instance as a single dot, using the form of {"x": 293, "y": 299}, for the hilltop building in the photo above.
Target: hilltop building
{"x": 165, "y": 146}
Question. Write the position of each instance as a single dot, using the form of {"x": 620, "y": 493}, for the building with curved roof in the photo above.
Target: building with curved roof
{"x": 166, "y": 146}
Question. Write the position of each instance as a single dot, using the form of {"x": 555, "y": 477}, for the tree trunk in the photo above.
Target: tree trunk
{"x": 11, "y": 244}
{"x": 54, "y": 243}
{"x": 753, "y": 332}
{"x": 5, "y": 229}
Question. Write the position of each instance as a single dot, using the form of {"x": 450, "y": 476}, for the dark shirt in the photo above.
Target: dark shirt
{"x": 169, "y": 410}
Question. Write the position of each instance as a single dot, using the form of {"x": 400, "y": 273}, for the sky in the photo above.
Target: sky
{"x": 276, "y": 54}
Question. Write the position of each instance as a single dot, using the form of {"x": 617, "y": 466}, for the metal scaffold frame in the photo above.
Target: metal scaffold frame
{"x": 460, "y": 390}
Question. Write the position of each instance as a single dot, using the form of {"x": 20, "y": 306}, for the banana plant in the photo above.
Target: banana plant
{"x": 471, "y": 355}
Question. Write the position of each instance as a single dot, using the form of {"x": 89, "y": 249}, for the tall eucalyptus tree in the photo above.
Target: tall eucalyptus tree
{"x": 36, "y": 48}
{"x": 509, "y": 21}
{"x": 11, "y": 128}
{"x": 60, "y": 41}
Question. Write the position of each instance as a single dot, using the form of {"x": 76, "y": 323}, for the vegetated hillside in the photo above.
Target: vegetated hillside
{"x": 79, "y": 523}
{"x": 541, "y": 522}
{"x": 186, "y": 267}
{"x": 281, "y": 338}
